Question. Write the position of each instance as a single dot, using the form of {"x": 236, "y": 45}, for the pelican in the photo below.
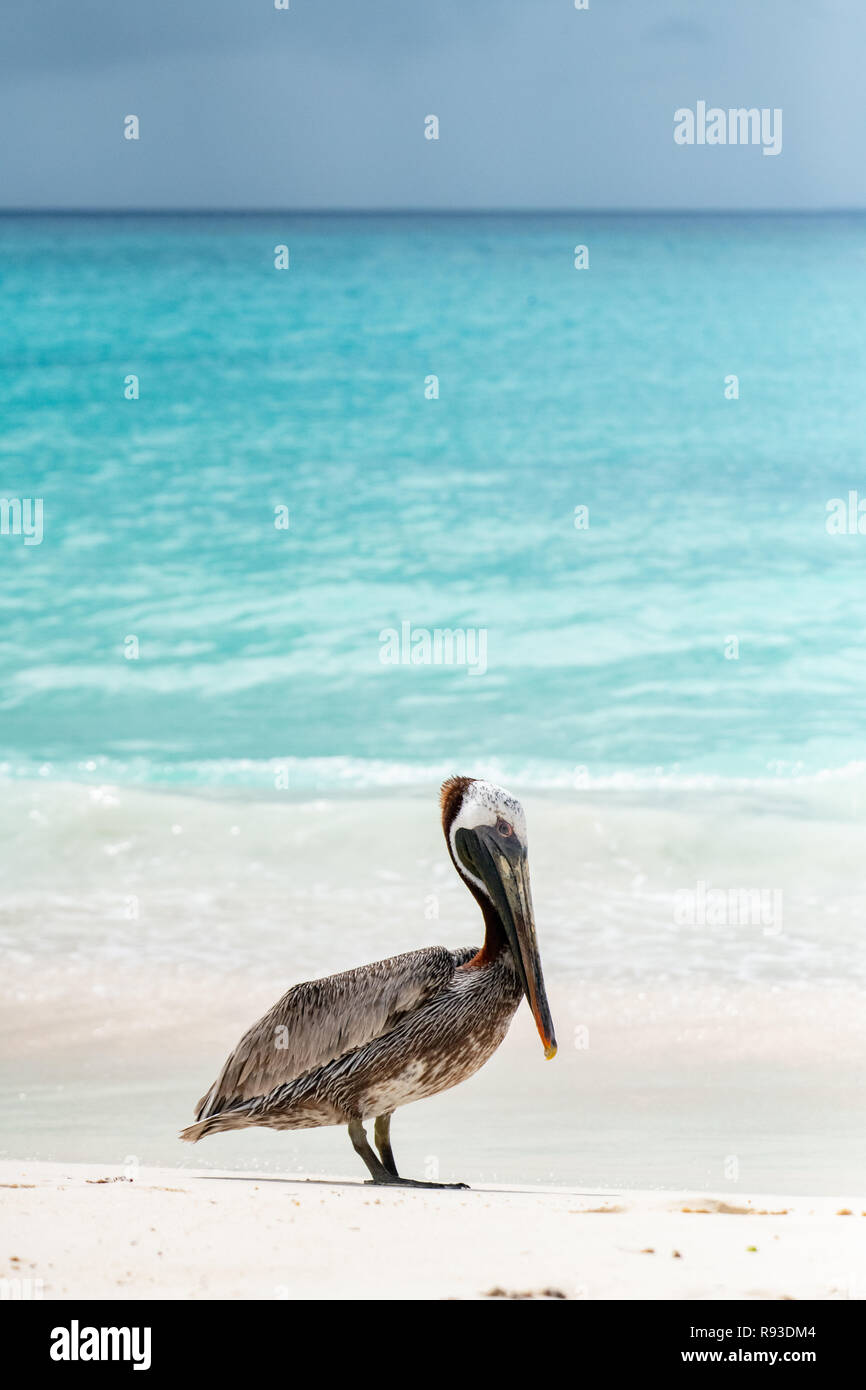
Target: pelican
{"x": 353, "y": 1047}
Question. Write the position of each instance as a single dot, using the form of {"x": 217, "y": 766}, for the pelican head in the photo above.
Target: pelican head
{"x": 486, "y": 832}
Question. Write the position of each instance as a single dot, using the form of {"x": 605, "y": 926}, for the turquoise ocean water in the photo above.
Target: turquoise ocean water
{"x": 187, "y": 833}
{"x": 558, "y": 388}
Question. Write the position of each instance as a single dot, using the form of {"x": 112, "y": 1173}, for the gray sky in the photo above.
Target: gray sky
{"x": 323, "y": 106}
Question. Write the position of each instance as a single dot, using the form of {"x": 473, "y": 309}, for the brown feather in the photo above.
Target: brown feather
{"x": 450, "y": 799}
{"x": 322, "y": 1020}
{"x": 429, "y": 1049}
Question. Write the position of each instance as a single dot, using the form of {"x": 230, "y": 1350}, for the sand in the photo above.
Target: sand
{"x": 73, "y": 1231}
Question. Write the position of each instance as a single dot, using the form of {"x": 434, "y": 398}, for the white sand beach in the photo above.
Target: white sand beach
{"x": 698, "y": 1069}
{"x": 76, "y": 1231}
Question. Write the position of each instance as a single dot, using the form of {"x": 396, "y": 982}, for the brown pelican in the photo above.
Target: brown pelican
{"x": 355, "y": 1046}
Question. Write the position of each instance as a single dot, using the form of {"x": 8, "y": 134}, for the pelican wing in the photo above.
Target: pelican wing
{"x": 321, "y": 1020}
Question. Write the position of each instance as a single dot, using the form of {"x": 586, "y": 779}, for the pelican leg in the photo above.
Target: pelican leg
{"x": 382, "y": 1135}
{"x": 361, "y": 1146}
{"x": 378, "y": 1172}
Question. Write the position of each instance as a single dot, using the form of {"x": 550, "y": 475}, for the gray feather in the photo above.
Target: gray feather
{"x": 322, "y": 1020}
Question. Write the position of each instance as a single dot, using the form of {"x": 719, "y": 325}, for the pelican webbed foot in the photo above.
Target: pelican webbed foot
{"x": 384, "y": 1173}
{"x": 410, "y": 1182}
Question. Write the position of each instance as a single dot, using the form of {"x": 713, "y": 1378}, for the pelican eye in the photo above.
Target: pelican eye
{"x": 504, "y": 829}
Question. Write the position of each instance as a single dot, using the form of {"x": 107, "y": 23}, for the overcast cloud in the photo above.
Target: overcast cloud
{"x": 323, "y": 106}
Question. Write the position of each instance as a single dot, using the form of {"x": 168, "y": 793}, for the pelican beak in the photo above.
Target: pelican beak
{"x": 503, "y": 868}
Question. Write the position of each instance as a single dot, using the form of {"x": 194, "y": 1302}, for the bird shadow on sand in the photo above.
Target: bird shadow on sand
{"x": 361, "y": 1186}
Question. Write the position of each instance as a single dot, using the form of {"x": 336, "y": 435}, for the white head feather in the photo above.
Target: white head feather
{"x": 484, "y": 804}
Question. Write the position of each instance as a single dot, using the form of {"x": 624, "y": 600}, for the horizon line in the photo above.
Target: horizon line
{"x": 425, "y": 212}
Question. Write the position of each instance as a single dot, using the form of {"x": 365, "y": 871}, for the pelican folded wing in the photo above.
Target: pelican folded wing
{"x": 321, "y": 1020}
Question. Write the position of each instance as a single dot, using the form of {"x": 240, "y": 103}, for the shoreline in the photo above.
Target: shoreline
{"x": 693, "y": 1055}
{"x": 751, "y": 1092}
{"x": 86, "y": 1231}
